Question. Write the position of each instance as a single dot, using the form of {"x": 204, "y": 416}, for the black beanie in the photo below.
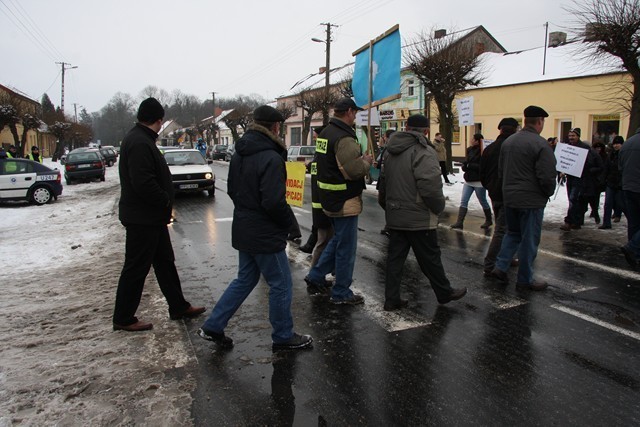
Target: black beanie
{"x": 150, "y": 111}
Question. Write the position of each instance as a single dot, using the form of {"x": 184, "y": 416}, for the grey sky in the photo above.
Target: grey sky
{"x": 230, "y": 47}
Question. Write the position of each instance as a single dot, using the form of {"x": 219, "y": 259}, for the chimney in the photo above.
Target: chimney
{"x": 557, "y": 38}
{"x": 440, "y": 34}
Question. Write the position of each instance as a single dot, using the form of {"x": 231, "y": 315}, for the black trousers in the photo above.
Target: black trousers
{"x": 147, "y": 246}
{"x": 443, "y": 170}
{"x": 425, "y": 247}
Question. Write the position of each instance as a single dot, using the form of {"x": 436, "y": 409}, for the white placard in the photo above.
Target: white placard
{"x": 465, "y": 111}
{"x": 362, "y": 117}
{"x": 570, "y": 159}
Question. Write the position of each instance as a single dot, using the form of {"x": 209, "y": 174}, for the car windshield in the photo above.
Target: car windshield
{"x": 308, "y": 151}
{"x": 83, "y": 156}
{"x": 220, "y": 148}
{"x": 181, "y": 157}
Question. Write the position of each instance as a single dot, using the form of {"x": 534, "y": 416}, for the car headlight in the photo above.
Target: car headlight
{"x": 208, "y": 175}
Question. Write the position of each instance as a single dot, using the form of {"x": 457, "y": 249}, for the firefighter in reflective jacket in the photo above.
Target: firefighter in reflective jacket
{"x": 341, "y": 169}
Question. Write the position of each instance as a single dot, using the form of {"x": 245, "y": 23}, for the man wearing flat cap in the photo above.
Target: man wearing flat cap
{"x": 411, "y": 195}
{"x": 491, "y": 180}
{"x": 581, "y": 189}
{"x": 261, "y": 219}
{"x": 146, "y": 201}
{"x": 341, "y": 169}
{"x": 527, "y": 168}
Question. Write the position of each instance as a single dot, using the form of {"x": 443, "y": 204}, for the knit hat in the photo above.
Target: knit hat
{"x": 576, "y": 131}
{"x": 265, "y": 113}
{"x": 418, "y": 121}
{"x": 150, "y": 111}
{"x": 34, "y": 148}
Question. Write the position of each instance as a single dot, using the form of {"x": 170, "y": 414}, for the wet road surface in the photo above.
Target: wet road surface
{"x": 566, "y": 356}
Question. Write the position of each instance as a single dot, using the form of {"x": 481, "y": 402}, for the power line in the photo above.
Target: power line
{"x": 17, "y": 6}
{"x": 26, "y": 30}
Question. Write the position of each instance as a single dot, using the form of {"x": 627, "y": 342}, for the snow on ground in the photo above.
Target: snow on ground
{"x": 60, "y": 362}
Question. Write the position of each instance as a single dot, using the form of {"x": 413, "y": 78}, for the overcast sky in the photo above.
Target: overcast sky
{"x": 230, "y": 47}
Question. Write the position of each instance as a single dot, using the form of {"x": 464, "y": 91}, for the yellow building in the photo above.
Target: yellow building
{"x": 574, "y": 93}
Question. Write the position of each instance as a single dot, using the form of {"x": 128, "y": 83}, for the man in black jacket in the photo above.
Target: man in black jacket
{"x": 261, "y": 220}
{"x": 492, "y": 181}
{"x": 146, "y": 201}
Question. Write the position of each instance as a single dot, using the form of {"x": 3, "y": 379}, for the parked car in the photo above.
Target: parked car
{"x": 190, "y": 171}
{"x": 109, "y": 154}
{"x": 84, "y": 165}
{"x": 231, "y": 149}
{"x": 219, "y": 152}
{"x": 301, "y": 153}
{"x": 22, "y": 179}
{"x": 165, "y": 148}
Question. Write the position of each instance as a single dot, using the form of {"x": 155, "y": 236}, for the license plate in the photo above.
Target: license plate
{"x": 84, "y": 166}
{"x": 187, "y": 186}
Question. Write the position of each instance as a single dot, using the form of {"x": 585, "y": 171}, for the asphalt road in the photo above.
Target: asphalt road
{"x": 566, "y": 356}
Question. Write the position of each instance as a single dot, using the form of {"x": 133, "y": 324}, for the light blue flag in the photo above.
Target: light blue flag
{"x": 386, "y": 70}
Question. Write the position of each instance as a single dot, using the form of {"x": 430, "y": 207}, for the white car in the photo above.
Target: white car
{"x": 190, "y": 171}
{"x": 22, "y": 179}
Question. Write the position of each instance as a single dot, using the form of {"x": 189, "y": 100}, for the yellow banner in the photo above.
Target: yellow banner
{"x": 295, "y": 183}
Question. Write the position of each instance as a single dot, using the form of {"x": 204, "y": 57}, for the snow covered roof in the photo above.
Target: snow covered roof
{"x": 165, "y": 125}
{"x": 565, "y": 61}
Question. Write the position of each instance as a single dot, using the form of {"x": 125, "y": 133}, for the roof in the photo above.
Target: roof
{"x": 565, "y": 61}
{"x": 317, "y": 80}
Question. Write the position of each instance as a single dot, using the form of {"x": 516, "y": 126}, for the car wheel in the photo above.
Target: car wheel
{"x": 41, "y": 195}
{"x": 102, "y": 178}
{"x": 110, "y": 164}
{"x": 68, "y": 181}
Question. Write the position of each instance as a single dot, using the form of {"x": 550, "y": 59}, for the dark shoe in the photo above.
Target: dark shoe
{"x": 629, "y": 256}
{"x": 487, "y": 272}
{"x": 391, "y": 306}
{"x": 616, "y": 219}
{"x": 533, "y": 286}
{"x": 317, "y": 289}
{"x": 604, "y": 227}
{"x": 566, "y": 227}
{"x": 456, "y": 294}
{"x": 134, "y": 327}
{"x": 488, "y": 219}
{"x": 500, "y": 276}
{"x": 462, "y": 213}
{"x": 575, "y": 227}
{"x": 189, "y": 312}
{"x": 355, "y": 299}
{"x": 221, "y": 340}
{"x": 296, "y": 342}
{"x": 306, "y": 249}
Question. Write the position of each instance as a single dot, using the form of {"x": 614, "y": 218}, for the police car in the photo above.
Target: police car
{"x": 22, "y": 179}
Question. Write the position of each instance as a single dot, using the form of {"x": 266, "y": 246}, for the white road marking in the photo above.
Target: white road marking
{"x": 299, "y": 209}
{"x": 229, "y": 219}
{"x": 595, "y": 321}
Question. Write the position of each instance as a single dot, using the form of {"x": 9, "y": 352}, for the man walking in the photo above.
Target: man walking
{"x": 146, "y": 200}
{"x": 527, "y": 167}
{"x": 441, "y": 149}
{"x": 411, "y": 195}
{"x": 491, "y": 180}
{"x": 630, "y": 169}
{"x": 261, "y": 219}
{"x": 341, "y": 171}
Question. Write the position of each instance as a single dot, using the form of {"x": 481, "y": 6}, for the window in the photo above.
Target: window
{"x": 308, "y": 150}
{"x": 410, "y": 87}
{"x": 15, "y": 166}
{"x": 296, "y": 136}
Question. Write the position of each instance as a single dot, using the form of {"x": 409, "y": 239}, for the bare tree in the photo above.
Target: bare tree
{"x": 241, "y": 115}
{"x": 287, "y": 111}
{"x": 153, "y": 91}
{"x": 612, "y": 28}
{"x": 445, "y": 66}
{"x": 311, "y": 102}
{"x": 60, "y": 130}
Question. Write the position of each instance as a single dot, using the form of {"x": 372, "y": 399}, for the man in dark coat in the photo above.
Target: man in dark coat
{"x": 629, "y": 165}
{"x": 146, "y": 201}
{"x": 492, "y": 181}
{"x": 261, "y": 219}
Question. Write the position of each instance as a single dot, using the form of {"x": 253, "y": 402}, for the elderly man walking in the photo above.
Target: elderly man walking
{"x": 527, "y": 167}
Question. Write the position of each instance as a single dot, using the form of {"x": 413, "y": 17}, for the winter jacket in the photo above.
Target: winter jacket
{"x": 146, "y": 188}
{"x": 441, "y": 149}
{"x": 257, "y": 186}
{"x": 35, "y": 158}
{"x": 471, "y": 165}
{"x": 341, "y": 170}
{"x": 527, "y": 167}
{"x": 587, "y": 184}
{"x": 614, "y": 179}
{"x": 629, "y": 163}
{"x": 489, "y": 176}
{"x": 411, "y": 188}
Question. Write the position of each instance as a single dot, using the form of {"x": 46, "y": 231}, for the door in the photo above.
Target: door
{"x": 16, "y": 177}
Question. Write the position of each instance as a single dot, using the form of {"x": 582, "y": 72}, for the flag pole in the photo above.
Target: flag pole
{"x": 369, "y": 142}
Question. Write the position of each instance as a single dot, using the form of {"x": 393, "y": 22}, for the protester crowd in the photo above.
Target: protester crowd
{"x": 518, "y": 171}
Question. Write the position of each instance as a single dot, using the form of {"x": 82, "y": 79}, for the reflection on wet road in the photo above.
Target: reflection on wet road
{"x": 569, "y": 355}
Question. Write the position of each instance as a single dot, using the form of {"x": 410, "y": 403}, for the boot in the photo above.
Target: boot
{"x": 462, "y": 212}
{"x": 488, "y": 222}
{"x": 311, "y": 242}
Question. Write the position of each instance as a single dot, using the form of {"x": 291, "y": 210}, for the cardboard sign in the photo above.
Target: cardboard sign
{"x": 295, "y": 183}
{"x": 570, "y": 159}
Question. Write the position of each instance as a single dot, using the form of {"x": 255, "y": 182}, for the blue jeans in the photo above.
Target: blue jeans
{"x": 340, "y": 254}
{"x": 481, "y": 194}
{"x": 524, "y": 228}
{"x": 632, "y": 212}
{"x": 613, "y": 202}
{"x": 275, "y": 269}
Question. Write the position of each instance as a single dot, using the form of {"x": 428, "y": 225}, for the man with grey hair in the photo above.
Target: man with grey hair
{"x": 411, "y": 195}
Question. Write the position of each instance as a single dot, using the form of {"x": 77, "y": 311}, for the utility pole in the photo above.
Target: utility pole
{"x": 62, "y": 91}
{"x": 327, "y": 42}
{"x": 213, "y": 122}
{"x": 75, "y": 111}
{"x": 546, "y": 42}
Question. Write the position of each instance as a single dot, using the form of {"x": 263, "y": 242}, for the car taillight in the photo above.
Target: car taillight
{"x": 69, "y": 167}
{"x": 59, "y": 178}
{"x": 97, "y": 164}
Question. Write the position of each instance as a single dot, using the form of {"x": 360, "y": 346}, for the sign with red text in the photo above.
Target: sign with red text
{"x": 295, "y": 183}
